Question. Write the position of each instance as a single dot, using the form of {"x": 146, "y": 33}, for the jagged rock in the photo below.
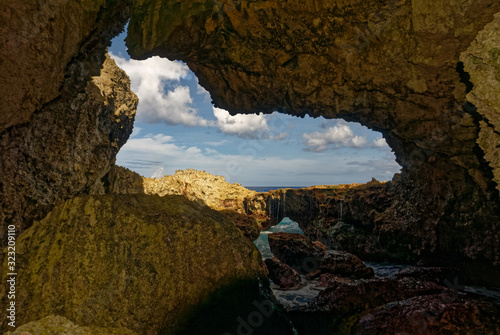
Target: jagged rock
{"x": 44, "y": 45}
{"x": 120, "y": 180}
{"x": 213, "y": 190}
{"x": 345, "y": 265}
{"x": 337, "y": 307}
{"x": 297, "y": 251}
{"x": 136, "y": 261}
{"x": 445, "y": 313}
{"x": 394, "y": 66}
{"x": 58, "y": 325}
{"x": 481, "y": 61}
{"x": 65, "y": 149}
{"x": 442, "y": 276}
{"x": 283, "y": 275}
{"x": 248, "y": 225}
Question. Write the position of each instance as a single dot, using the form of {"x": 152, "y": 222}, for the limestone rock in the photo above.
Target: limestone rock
{"x": 393, "y": 66}
{"x": 212, "y": 190}
{"x": 58, "y": 325}
{"x": 297, "y": 251}
{"x": 248, "y": 225}
{"x": 65, "y": 149}
{"x": 283, "y": 275}
{"x": 43, "y": 44}
{"x": 482, "y": 63}
{"x": 136, "y": 261}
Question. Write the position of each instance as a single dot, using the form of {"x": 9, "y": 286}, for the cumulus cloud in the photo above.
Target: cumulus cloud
{"x": 340, "y": 135}
{"x": 250, "y": 126}
{"x": 161, "y": 97}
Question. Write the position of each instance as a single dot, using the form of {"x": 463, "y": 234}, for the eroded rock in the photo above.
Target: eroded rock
{"x": 65, "y": 149}
{"x": 142, "y": 262}
{"x": 283, "y": 275}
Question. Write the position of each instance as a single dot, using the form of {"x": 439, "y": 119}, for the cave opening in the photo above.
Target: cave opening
{"x": 178, "y": 128}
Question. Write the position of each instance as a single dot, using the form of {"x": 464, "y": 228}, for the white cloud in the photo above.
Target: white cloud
{"x": 242, "y": 125}
{"x": 340, "y": 135}
{"x": 149, "y": 79}
{"x": 380, "y": 143}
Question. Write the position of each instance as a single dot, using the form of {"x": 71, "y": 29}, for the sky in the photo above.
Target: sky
{"x": 178, "y": 128}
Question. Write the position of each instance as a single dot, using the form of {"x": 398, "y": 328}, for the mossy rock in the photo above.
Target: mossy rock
{"x": 135, "y": 261}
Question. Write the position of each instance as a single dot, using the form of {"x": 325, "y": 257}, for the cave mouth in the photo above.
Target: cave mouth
{"x": 178, "y": 128}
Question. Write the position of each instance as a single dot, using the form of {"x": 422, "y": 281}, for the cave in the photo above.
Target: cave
{"x": 423, "y": 74}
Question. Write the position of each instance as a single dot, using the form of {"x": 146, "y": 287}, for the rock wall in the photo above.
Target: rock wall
{"x": 65, "y": 149}
{"x": 141, "y": 262}
{"x": 48, "y": 44}
{"x": 394, "y": 66}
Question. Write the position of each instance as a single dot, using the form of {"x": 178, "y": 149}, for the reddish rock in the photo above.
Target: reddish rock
{"x": 445, "y": 313}
{"x": 438, "y": 275}
{"x": 342, "y": 301}
{"x": 283, "y": 275}
{"x": 297, "y": 251}
{"x": 344, "y": 264}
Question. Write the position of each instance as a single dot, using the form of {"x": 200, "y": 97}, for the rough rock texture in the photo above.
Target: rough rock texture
{"x": 65, "y": 149}
{"x": 136, "y": 261}
{"x": 317, "y": 210}
{"x": 297, "y": 251}
{"x": 345, "y": 265}
{"x": 441, "y": 276}
{"x": 439, "y": 314}
{"x": 392, "y": 65}
{"x": 482, "y": 63}
{"x": 120, "y": 180}
{"x": 42, "y": 46}
{"x": 58, "y": 325}
{"x": 248, "y": 225}
{"x": 212, "y": 190}
{"x": 336, "y": 308}
{"x": 283, "y": 275}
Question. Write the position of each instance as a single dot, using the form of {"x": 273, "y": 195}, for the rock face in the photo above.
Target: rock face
{"x": 65, "y": 149}
{"x": 49, "y": 49}
{"x": 213, "y": 190}
{"x": 345, "y": 265}
{"x": 393, "y": 66}
{"x": 58, "y": 325}
{"x": 136, "y": 261}
{"x": 432, "y": 314}
{"x": 283, "y": 275}
{"x": 297, "y": 251}
{"x": 248, "y": 225}
{"x": 390, "y": 306}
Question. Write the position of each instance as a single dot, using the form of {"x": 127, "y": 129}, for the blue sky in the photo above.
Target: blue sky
{"x": 178, "y": 128}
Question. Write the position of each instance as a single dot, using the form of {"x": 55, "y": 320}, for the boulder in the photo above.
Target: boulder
{"x": 147, "y": 263}
{"x": 297, "y": 251}
{"x": 337, "y": 307}
{"x": 345, "y": 265}
{"x": 59, "y": 325}
{"x": 436, "y": 314}
{"x": 283, "y": 275}
{"x": 439, "y": 275}
{"x": 247, "y": 224}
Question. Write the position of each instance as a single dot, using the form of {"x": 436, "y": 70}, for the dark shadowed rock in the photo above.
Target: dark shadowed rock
{"x": 283, "y": 275}
{"x": 446, "y": 313}
{"x": 345, "y": 265}
{"x": 438, "y": 275}
{"x": 248, "y": 225}
{"x": 297, "y": 251}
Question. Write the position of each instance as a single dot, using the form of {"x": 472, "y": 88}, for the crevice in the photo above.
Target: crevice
{"x": 464, "y": 77}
